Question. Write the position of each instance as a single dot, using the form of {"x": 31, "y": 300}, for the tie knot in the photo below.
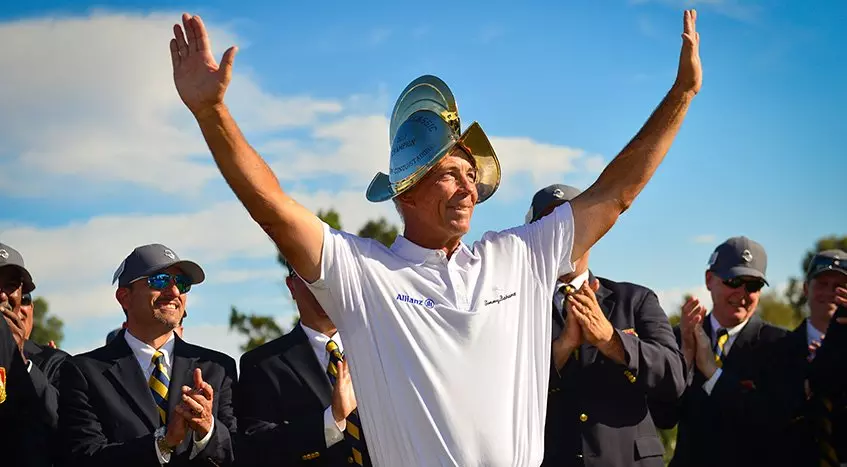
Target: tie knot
{"x": 331, "y": 346}
{"x": 722, "y": 332}
{"x": 157, "y": 356}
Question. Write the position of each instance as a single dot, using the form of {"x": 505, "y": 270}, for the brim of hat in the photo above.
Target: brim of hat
{"x": 190, "y": 268}
{"x": 813, "y": 274}
{"x": 739, "y": 271}
{"x": 26, "y": 278}
{"x": 473, "y": 141}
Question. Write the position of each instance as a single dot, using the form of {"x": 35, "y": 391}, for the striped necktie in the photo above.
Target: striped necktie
{"x": 159, "y": 386}
{"x": 353, "y": 434}
{"x": 720, "y": 342}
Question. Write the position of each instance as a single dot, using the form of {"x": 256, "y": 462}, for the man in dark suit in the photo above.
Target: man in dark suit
{"x": 24, "y": 418}
{"x": 814, "y": 396}
{"x": 148, "y": 397}
{"x": 293, "y": 408}
{"x": 612, "y": 348}
{"x": 46, "y": 362}
{"x": 726, "y": 415}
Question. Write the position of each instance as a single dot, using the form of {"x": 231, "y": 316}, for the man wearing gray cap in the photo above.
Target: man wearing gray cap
{"x": 148, "y": 397}
{"x": 825, "y": 288}
{"x": 613, "y": 348}
{"x": 726, "y": 417}
{"x": 429, "y": 319}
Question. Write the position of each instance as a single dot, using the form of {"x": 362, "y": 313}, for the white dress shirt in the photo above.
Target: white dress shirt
{"x": 333, "y": 431}
{"x": 559, "y": 296}
{"x": 144, "y": 355}
{"x": 732, "y": 334}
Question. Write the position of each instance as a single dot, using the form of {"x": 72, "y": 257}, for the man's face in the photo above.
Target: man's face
{"x": 820, "y": 292}
{"x": 311, "y": 312}
{"x": 11, "y": 288}
{"x": 734, "y": 301}
{"x": 445, "y": 198}
{"x": 160, "y": 306}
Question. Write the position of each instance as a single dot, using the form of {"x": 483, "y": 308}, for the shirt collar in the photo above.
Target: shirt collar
{"x": 576, "y": 282}
{"x": 419, "y": 255}
{"x": 318, "y": 339}
{"x": 730, "y": 331}
{"x": 144, "y": 352}
{"x": 812, "y": 333}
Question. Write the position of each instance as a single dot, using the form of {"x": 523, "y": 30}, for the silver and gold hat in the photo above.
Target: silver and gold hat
{"x": 424, "y": 128}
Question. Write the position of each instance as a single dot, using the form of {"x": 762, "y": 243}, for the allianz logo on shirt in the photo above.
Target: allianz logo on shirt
{"x": 427, "y": 302}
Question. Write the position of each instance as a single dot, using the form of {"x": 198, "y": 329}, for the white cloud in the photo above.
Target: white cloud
{"x": 706, "y": 239}
{"x": 73, "y": 264}
{"x": 93, "y": 98}
{"x": 216, "y": 337}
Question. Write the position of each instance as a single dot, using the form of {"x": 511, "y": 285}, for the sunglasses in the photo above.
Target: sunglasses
{"x": 26, "y": 300}
{"x": 752, "y": 285}
{"x": 164, "y": 280}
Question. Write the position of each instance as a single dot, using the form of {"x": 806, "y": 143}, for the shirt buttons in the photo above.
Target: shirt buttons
{"x": 583, "y": 417}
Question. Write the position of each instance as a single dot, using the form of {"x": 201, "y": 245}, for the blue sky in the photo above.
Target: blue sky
{"x": 103, "y": 156}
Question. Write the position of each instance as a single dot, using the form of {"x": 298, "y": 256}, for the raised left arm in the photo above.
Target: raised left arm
{"x": 597, "y": 209}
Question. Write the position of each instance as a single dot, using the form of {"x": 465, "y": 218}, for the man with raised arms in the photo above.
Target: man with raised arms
{"x": 448, "y": 343}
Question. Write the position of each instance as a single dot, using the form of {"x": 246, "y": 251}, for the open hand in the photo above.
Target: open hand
{"x": 200, "y": 81}
{"x": 689, "y": 76}
{"x": 692, "y": 313}
{"x": 343, "y": 397}
{"x": 705, "y": 356}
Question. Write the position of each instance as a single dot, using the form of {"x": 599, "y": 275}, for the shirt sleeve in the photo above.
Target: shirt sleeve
{"x": 549, "y": 242}
{"x": 198, "y": 446}
{"x": 333, "y": 431}
{"x": 339, "y": 287}
{"x": 711, "y": 382}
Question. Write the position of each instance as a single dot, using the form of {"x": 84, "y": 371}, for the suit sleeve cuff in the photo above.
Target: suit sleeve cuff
{"x": 709, "y": 385}
{"x": 333, "y": 431}
{"x": 199, "y": 445}
{"x": 629, "y": 343}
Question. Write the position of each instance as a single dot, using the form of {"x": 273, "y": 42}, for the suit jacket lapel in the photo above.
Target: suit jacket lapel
{"x": 747, "y": 336}
{"x": 303, "y": 360}
{"x": 127, "y": 377}
{"x": 182, "y": 373}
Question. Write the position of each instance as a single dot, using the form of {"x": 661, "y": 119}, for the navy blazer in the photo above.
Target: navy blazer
{"x": 737, "y": 423}
{"x": 281, "y": 398}
{"x": 597, "y": 413}
{"x": 107, "y": 415}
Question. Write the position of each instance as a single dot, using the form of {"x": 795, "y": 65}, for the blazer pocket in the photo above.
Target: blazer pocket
{"x": 648, "y": 447}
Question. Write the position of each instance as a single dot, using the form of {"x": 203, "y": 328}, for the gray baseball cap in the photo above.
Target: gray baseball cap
{"x": 827, "y": 260}
{"x": 9, "y": 257}
{"x": 546, "y": 197}
{"x": 739, "y": 256}
{"x": 150, "y": 259}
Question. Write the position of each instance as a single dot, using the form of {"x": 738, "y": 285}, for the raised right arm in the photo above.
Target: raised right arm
{"x": 201, "y": 84}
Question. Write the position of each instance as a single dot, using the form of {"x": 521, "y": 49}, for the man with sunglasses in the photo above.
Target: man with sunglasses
{"x": 724, "y": 414}
{"x": 148, "y": 397}
{"x": 295, "y": 402}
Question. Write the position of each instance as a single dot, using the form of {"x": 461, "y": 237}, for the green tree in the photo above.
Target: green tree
{"x": 776, "y": 310}
{"x": 794, "y": 292}
{"x": 45, "y": 329}
{"x": 259, "y": 329}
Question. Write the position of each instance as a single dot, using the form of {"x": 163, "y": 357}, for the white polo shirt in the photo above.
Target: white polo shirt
{"x": 450, "y": 359}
